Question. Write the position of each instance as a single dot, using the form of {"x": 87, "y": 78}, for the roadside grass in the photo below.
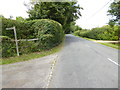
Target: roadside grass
{"x": 31, "y": 56}
{"x": 116, "y": 46}
{"x": 113, "y": 45}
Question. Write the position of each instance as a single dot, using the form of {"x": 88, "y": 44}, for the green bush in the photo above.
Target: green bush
{"x": 77, "y": 33}
{"x": 23, "y": 29}
{"x": 102, "y": 33}
{"x": 27, "y": 47}
{"x": 9, "y": 47}
{"x": 49, "y": 32}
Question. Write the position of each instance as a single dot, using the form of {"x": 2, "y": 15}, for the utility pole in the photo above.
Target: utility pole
{"x": 16, "y": 41}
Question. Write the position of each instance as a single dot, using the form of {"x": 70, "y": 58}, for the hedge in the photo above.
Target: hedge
{"x": 9, "y": 47}
{"x": 48, "y": 32}
{"x": 102, "y": 33}
{"x": 23, "y": 29}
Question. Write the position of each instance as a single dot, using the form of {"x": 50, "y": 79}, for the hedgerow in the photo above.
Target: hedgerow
{"x": 102, "y": 33}
{"x": 48, "y": 32}
{"x": 23, "y": 29}
{"x": 9, "y": 47}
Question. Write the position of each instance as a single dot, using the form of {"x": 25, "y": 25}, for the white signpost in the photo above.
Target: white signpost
{"x": 13, "y": 28}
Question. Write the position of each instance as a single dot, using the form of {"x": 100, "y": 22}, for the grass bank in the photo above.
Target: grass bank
{"x": 31, "y": 56}
{"x": 113, "y": 45}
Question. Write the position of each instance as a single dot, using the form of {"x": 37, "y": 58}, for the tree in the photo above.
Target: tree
{"x": 63, "y": 12}
{"x": 114, "y": 11}
{"x": 74, "y": 27}
{"x": 19, "y": 18}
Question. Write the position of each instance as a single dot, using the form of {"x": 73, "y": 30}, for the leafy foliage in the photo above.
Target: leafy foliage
{"x": 23, "y": 29}
{"x": 49, "y": 32}
{"x": 21, "y": 19}
{"x": 114, "y": 11}
{"x": 62, "y": 12}
{"x": 9, "y": 48}
{"x": 102, "y": 33}
{"x": 71, "y": 28}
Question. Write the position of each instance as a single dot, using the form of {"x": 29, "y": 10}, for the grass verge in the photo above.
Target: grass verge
{"x": 30, "y": 56}
{"x": 116, "y": 46}
{"x": 113, "y": 45}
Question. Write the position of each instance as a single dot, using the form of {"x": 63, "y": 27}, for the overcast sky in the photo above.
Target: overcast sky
{"x": 88, "y": 20}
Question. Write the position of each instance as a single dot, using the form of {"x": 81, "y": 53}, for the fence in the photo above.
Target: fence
{"x": 16, "y": 41}
{"x": 24, "y": 46}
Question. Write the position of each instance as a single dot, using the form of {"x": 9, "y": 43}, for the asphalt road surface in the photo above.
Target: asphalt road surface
{"x": 85, "y": 64}
{"x": 28, "y": 74}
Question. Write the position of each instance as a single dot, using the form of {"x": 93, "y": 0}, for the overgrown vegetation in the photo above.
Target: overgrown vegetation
{"x": 8, "y": 47}
{"x": 48, "y": 32}
{"x": 114, "y": 11}
{"x": 41, "y": 25}
{"x": 113, "y": 45}
{"x": 26, "y": 57}
{"x": 101, "y": 33}
{"x": 62, "y": 12}
{"x": 24, "y": 29}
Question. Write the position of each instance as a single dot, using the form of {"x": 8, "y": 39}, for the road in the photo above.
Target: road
{"x": 28, "y": 74}
{"x": 85, "y": 64}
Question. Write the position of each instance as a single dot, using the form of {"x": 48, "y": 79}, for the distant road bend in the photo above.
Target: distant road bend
{"x": 85, "y": 64}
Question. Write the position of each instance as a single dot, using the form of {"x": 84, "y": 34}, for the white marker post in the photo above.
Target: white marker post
{"x": 15, "y": 38}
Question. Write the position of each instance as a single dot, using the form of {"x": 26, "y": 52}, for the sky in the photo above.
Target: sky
{"x": 13, "y": 8}
{"x": 88, "y": 20}
{"x": 93, "y": 15}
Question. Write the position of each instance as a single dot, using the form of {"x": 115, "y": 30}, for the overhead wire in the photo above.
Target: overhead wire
{"x": 99, "y": 10}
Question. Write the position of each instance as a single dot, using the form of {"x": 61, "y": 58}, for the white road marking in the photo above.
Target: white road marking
{"x": 51, "y": 73}
{"x": 113, "y": 62}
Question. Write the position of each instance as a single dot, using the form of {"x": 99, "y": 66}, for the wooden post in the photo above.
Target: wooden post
{"x": 16, "y": 41}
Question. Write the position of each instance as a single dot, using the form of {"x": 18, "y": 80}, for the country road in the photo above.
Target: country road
{"x": 85, "y": 64}
{"x": 28, "y": 74}
{"x": 80, "y": 64}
